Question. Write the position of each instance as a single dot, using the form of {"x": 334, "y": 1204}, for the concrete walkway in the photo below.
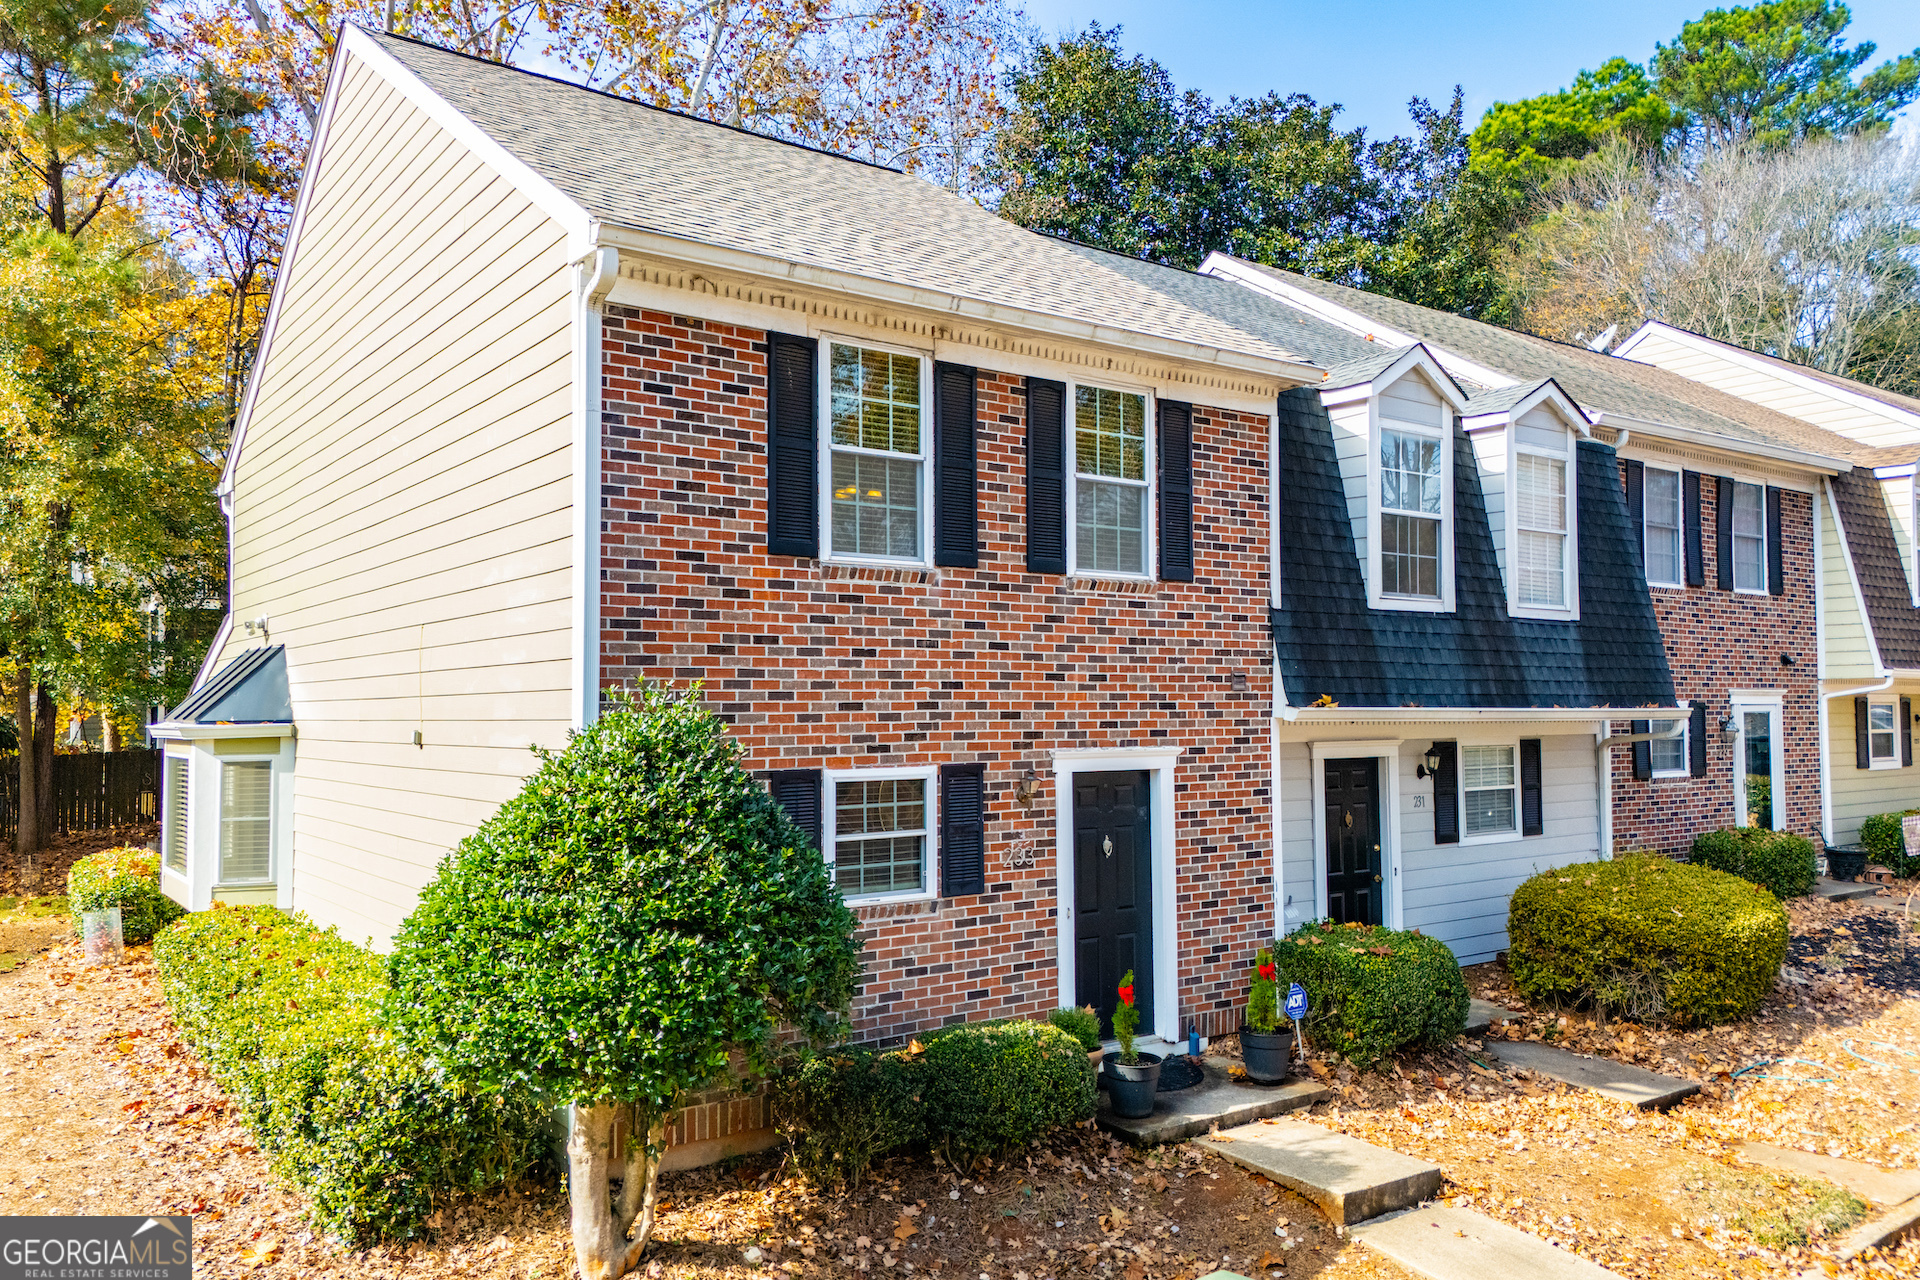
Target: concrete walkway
{"x": 1868, "y": 1181}
{"x": 1844, "y": 890}
{"x": 1348, "y": 1179}
{"x": 1458, "y": 1244}
{"x": 1644, "y": 1089}
{"x": 1216, "y": 1102}
{"x": 1482, "y": 1014}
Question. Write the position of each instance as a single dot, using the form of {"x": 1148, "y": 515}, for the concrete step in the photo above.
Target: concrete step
{"x": 1216, "y": 1102}
{"x": 1844, "y": 890}
{"x": 1349, "y": 1179}
{"x": 1458, "y": 1244}
{"x": 1644, "y": 1089}
{"x": 1482, "y": 1014}
{"x": 1894, "y": 1225}
{"x": 1869, "y": 1182}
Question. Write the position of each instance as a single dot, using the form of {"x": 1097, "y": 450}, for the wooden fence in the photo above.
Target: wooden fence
{"x": 91, "y": 790}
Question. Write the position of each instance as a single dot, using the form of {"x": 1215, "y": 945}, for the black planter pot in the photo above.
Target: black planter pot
{"x": 1846, "y": 862}
{"x": 1132, "y": 1088}
{"x": 1266, "y": 1055}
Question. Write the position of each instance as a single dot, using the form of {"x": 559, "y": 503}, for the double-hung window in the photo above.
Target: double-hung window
{"x": 877, "y": 452}
{"x": 1111, "y": 498}
{"x": 1883, "y": 734}
{"x": 881, "y": 833}
{"x": 1540, "y": 487}
{"x": 1669, "y": 755}
{"x": 246, "y": 821}
{"x": 1488, "y": 785}
{"x": 1661, "y": 525}
{"x": 1411, "y": 494}
{"x": 1749, "y": 537}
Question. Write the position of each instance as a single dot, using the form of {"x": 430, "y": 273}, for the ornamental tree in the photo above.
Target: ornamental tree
{"x": 641, "y": 917}
{"x": 1263, "y": 1013}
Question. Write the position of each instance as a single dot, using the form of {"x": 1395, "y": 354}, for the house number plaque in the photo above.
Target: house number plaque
{"x": 1020, "y": 853}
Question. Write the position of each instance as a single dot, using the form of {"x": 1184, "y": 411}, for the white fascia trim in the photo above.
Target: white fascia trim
{"x": 772, "y": 271}
{"x": 188, "y": 731}
{"x": 1815, "y": 462}
{"x": 1551, "y": 392}
{"x": 1895, "y": 473}
{"x": 1853, "y": 581}
{"x": 1784, "y": 371}
{"x": 1227, "y": 267}
{"x": 1418, "y": 357}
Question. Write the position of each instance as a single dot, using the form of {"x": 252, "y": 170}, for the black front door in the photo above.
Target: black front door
{"x": 1112, "y": 896}
{"x": 1353, "y": 841}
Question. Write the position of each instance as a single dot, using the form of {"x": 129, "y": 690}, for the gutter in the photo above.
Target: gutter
{"x": 1719, "y": 443}
{"x": 1441, "y": 715}
{"x": 594, "y": 274}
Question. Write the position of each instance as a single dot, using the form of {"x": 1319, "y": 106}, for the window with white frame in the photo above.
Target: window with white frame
{"x": 173, "y": 838}
{"x": 1411, "y": 500}
{"x": 1540, "y": 487}
{"x": 1661, "y": 504}
{"x": 1111, "y": 498}
{"x": 1488, "y": 790}
{"x": 246, "y": 821}
{"x": 877, "y": 452}
{"x": 1883, "y": 734}
{"x": 1669, "y": 755}
{"x": 1749, "y": 537}
{"x": 882, "y": 832}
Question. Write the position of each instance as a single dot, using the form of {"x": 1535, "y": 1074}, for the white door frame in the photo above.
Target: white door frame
{"x": 1773, "y": 701}
{"x": 1159, "y": 764}
{"x": 1387, "y": 752}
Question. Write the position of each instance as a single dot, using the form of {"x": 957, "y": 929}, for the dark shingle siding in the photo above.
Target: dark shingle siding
{"x": 1331, "y": 644}
{"x": 1876, "y": 563}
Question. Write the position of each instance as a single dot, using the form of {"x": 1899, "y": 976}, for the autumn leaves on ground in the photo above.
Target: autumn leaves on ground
{"x": 103, "y": 1111}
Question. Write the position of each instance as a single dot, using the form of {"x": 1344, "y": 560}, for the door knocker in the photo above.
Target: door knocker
{"x": 1106, "y": 845}
{"x": 1347, "y": 817}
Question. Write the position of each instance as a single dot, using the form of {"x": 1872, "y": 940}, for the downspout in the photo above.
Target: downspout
{"x": 1603, "y": 769}
{"x": 593, "y": 278}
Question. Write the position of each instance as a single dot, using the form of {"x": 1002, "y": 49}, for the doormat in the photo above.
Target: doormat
{"x": 1178, "y": 1072}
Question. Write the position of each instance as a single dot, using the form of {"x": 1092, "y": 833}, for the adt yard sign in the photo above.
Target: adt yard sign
{"x": 1296, "y": 1002}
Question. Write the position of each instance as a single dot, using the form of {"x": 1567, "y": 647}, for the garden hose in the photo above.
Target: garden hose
{"x": 1770, "y": 1062}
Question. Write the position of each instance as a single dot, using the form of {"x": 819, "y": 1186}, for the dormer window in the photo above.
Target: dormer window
{"x": 1540, "y": 483}
{"x": 1410, "y": 514}
{"x": 1525, "y": 441}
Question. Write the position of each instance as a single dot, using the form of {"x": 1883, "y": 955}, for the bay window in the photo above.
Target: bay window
{"x": 246, "y": 821}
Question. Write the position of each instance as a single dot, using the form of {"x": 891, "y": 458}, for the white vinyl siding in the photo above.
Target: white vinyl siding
{"x": 1858, "y": 793}
{"x": 1111, "y": 498}
{"x": 246, "y": 821}
{"x": 173, "y": 837}
{"x": 1661, "y": 505}
{"x": 877, "y": 443}
{"x": 1749, "y": 537}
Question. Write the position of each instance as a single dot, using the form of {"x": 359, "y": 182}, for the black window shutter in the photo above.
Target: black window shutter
{"x": 1723, "y": 531}
{"x": 1906, "y": 732}
{"x": 1642, "y": 752}
{"x": 1697, "y": 740}
{"x": 1696, "y": 567}
{"x": 1776, "y": 550}
{"x": 1446, "y": 794}
{"x": 1862, "y": 744}
{"x": 956, "y": 490}
{"x": 963, "y": 829}
{"x": 793, "y": 511}
{"x": 1046, "y": 476}
{"x": 798, "y": 792}
{"x": 1532, "y": 816}
{"x": 1637, "y": 507}
{"x": 1176, "y": 491}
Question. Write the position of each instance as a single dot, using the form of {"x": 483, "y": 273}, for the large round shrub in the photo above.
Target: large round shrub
{"x": 1780, "y": 860}
{"x": 126, "y": 878}
{"x": 1886, "y": 843}
{"x": 1648, "y": 938}
{"x": 996, "y": 1085}
{"x": 1372, "y": 991}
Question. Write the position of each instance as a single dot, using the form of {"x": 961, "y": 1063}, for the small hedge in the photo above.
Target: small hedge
{"x": 1648, "y": 938}
{"x": 971, "y": 1090}
{"x": 1886, "y": 843}
{"x": 287, "y": 1018}
{"x": 1779, "y": 860}
{"x": 127, "y": 878}
{"x": 1373, "y": 991}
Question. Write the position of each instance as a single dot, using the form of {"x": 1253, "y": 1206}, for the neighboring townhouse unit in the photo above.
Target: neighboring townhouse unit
{"x": 1870, "y": 582}
{"x": 1721, "y": 498}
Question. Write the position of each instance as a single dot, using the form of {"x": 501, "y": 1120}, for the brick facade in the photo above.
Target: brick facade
{"x": 1718, "y": 641}
{"x": 818, "y": 665}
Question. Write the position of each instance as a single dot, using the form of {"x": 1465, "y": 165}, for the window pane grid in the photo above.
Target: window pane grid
{"x": 1409, "y": 473}
{"x": 245, "y": 821}
{"x": 1486, "y": 775}
{"x": 1110, "y": 434}
{"x": 1669, "y": 754}
{"x": 880, "y": 833}
{"x": 1110, "y": 481}
{"x": 1111, "y": 532}
{"x": 1662, "y": 507}
{"x": 1409, "y": 556}
{"x": 1881, "y": 722}
{"x": 1749, "y": 537}
{"x": 876, "y": 416}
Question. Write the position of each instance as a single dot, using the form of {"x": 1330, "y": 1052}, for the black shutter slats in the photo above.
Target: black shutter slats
{"x": 793, "y": 510}
{"x": 963, "y": 829}
{"x": 1046, "y": 476}
{"x": 1532, "y": 811}
{"x": 1176, "y": 491}
{"x": 798, "y": 792}
{"x": 956, "y": 489}
{"x": 1862, "y": 741}
{"x": 1446, "y": 794}
{"x": 1906, "y": 732}
{"x": 1697, "y": 740}
{"x": 1723, "y": 529}
{"x": 1696, "y": 567}
{"x": 1642, "y": 751}
{"x": 1637, "y": 507}
{"x": 1776, "y": 549}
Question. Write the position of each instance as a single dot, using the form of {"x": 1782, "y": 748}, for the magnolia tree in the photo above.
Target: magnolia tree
{"x": 639, "y": 913}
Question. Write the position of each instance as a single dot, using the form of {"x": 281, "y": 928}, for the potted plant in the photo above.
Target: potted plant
{"x": 1083, "y": 1024}
{"x": 1133, "y": 1078}
{"x": 1265, "y": 1047}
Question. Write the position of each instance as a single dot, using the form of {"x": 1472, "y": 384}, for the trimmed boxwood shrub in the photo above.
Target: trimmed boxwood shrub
{"x": 1886, "y": 843}
{"x": 1373, "y": 991}
{"x": 840, "y": 1110}
{"x": 1780, "y": 860}
{"x": 1082, "y": 1024}
{"x": 1647, "y": 937}
{"x": 127, "y": 878}
{"x": 287, "y": 1018}
{"x": 993, "y": 1086}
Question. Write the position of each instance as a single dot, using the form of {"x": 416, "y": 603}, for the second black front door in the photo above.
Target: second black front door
{"x": 1113, "y": 893}
{"x": 1353, "y": 841}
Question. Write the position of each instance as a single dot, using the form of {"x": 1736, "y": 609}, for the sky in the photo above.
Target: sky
{"x": 1372, "y": 57}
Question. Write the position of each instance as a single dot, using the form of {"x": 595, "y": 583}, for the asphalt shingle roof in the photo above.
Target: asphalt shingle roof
{"x": 1876, "y": 563}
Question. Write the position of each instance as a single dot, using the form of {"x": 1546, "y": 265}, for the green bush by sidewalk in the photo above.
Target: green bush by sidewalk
{"x": 127, "y": 878}
{"x": 287, "y": 1018}
{"x": 1779, "y": 860}
{"x": 1082, "y": 1024}
{"x": 1886, "y": 843}
{"x": 1647, "y": 938}
{"x": 1373, "y": 991}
